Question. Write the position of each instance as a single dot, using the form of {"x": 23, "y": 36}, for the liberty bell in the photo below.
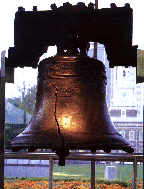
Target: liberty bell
{"x": 70, "y": 111}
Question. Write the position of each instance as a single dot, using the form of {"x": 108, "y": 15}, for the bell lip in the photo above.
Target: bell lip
{"x": 72, "y": 138}
{"x": 105, "y": 148}
{"x": 21, "y": 144}
{"x": 89, "y": 139}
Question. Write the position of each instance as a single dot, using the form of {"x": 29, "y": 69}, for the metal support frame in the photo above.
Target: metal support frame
{"x": 81, "y": 156}
{"x": 92, "y": 174}
{"x": 51, "y": 164}
{"x": 134, "y": 174}
{"x": 2, "y": 117}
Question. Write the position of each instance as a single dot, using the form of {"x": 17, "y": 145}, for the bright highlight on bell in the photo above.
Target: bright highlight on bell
{"x": 66, "y": 122}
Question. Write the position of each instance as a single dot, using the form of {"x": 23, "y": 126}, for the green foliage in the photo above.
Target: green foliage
{"x": 140, "y": 65}
{"x": 27, "y": 99}
{"x": 25, "y": 102}
{"x": 125, "y": 172}
{"x": 140, "y": 55}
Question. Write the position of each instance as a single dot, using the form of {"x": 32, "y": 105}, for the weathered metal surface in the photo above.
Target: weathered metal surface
{"x": 71, "y": 110}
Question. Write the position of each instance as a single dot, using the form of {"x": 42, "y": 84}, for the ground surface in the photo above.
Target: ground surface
{"x": 78, "y": 177}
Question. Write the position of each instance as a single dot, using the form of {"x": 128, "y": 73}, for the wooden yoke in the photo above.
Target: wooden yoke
{"x": 70, "y": 27}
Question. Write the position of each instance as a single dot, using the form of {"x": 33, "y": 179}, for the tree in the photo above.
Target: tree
{"x": 27, "y": 99}
{"x": 26, "y": 102}
{"x": 140, "y": 66}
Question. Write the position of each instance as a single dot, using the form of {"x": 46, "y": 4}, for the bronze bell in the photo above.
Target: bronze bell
{"x": 71, "y": 110}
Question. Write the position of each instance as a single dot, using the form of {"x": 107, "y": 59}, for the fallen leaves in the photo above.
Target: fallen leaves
{"x": 29, "y": 184}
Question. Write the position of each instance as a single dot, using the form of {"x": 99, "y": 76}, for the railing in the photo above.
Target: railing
{"x": 122, "y": 157}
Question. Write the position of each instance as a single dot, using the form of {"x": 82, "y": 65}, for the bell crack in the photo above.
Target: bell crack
{"x": 61, "y": 151}
{"x": 55, "y": 110}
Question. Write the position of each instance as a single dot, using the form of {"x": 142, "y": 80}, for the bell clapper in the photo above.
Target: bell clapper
{"x": 62, "y": 153}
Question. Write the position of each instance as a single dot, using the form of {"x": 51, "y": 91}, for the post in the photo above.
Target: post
{"x": 2, "y": 117}
{"x": 51, "y": 173}
{"x": 92, "y": 174}
{"x": 134, "y": 184}
{"x": 95, "y": 43}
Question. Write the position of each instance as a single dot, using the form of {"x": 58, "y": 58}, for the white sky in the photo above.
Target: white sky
{"x": 7, "y": 14}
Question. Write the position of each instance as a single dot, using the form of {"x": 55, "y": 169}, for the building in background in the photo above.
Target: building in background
{"x": 125, "y": 100}
{"x": 101, "y": 55}
{"x": 15, "y": 115}
{"x": 16, "y": 120}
